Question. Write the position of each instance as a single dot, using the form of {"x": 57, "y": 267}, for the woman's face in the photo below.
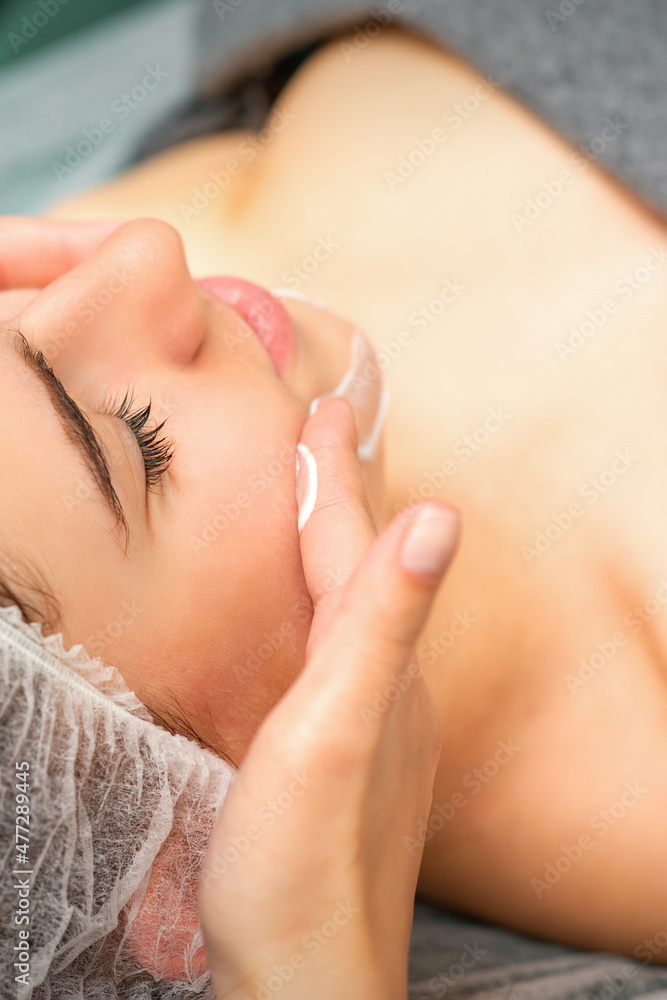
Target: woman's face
{"x": 201, "y": 603}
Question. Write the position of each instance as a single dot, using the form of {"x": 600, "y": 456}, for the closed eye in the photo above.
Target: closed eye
{"x": 156, "y": 450}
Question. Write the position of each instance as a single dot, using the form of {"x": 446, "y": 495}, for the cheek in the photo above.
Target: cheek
{"x": 259, "y": 649}
{"x": 226, "y": 633}
{"x": 251, "y": 584}
{"x": 235, "y": 460}
{"x": 269, "y": 600}
{"x": 274, "y": 612}
{"x": 241, "y": 600}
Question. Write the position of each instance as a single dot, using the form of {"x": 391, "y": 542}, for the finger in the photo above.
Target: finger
{"x": 34, "y": 252}
{"x": 338, "y": 526}
{"x": 386, "y": 602}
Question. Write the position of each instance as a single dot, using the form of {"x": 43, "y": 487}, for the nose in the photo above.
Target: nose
{"x": 132, "y": 302}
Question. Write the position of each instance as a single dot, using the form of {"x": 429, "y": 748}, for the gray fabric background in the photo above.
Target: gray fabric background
{"x": 606, "y": 58}
{"x": 47, "y": 98}
{"x": 503, "y": 965}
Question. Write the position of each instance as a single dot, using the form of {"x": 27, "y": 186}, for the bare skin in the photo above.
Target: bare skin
{"x": 585, "y": 425}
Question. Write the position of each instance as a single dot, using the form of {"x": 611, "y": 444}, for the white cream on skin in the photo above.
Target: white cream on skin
{"x": 306, "y": 484}
{"x": 292, "y": 293}
{"x": 363, "y": 387}
{"x": 367, "y": 394}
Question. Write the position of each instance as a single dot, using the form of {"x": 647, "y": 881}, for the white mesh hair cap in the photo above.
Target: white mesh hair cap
{"x": 104, "y": 821}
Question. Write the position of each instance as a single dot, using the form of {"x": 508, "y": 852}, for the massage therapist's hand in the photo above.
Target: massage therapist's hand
{"x": 34, "y": 252}
{"x": 308, "y": 888}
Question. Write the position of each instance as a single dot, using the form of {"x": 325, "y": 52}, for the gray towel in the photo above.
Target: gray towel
{"x": 454, "y": 957}
{"x": 575, "y": 63}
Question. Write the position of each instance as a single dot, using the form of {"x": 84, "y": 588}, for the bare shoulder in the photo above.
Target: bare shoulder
{"x": 550, "y": 797}
{"x": 157, "y": 185}
{"x": 380, "y": 38}
{"x": 378, "y": 61}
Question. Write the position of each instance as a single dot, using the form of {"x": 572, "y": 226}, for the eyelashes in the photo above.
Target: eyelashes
{"x": 156, "y": 449}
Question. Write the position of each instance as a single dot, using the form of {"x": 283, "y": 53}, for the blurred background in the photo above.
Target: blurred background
{"x": 71, "y": 17}
{"x": 67, "y": 64}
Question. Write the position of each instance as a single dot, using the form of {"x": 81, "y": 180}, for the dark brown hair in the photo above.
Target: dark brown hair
{"x": 20, "y": 585}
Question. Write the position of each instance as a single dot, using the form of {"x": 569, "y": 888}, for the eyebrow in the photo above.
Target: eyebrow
{"x": 77, "y": 427}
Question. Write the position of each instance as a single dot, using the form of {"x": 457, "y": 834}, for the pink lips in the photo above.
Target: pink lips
{"x": 262, "y": 312}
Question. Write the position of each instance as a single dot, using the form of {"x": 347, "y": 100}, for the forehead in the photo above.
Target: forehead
{"x": 27, "y": 417}
{"x": 16, "y": 375}
{"x": 13, "y": 371}
{"x": 27, "y": 439}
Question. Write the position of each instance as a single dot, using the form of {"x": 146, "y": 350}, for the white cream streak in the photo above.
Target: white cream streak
{"x": 357, "y": 388}
{"x": 368, "y": 448}
{"x": 306, "y": 503}
{"x": 292, "y": 293}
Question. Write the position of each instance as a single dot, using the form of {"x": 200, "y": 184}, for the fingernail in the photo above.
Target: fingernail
{"x": 429, "y": 541}
{"x": 306, "y": 484}
{"x": 292, "y": 293}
